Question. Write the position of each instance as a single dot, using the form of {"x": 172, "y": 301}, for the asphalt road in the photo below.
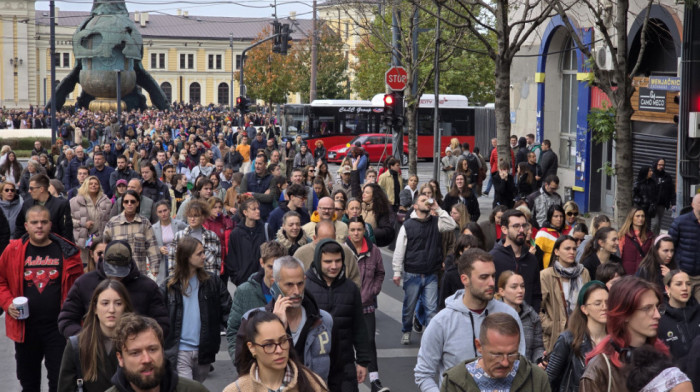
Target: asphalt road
{"x": 396, "y": 362}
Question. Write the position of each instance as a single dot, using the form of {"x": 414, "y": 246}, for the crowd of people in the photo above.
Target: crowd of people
{"x": 120, "y": 240}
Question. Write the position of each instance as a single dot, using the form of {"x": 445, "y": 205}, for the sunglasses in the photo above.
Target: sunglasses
{"x": 8, "y": 190}
{"x": 572, "y": 214}
{"x": 130, "y": 201}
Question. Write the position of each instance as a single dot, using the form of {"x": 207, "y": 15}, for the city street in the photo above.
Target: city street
{"x": 396, "y": 362}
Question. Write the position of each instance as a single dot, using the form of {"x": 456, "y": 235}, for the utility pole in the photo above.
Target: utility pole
{"x": 436, "y": 110}
{"x": 52, "y": 33}
{"x": 397, "y": 142}
{"x": 119, "y": 98}
{"x": 314, "y": 55}
{"x": 233, "y": 66}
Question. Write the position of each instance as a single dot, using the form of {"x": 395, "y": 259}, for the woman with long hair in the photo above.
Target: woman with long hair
{"x": 456, "y": 147}
{"x": 310, "y": 175}
{"x": 33, "y": 167}
{"x": 526, "y": 181}
{"x": 561, "y": 283}
{"x": 659, "y": 261}
{"x": 198, "y": 303}
{"x": 437, "y": 194}
{"x": 585, "y": 330}
{"x": 511, "y": 290}
{"x": 288, "y": 153}
{"x": 98, "y": 357}
{"x": 377, "y": 211}
{"x": 267, "y": 363}
{"x": 90, "y": 211}
{"x": 473, "y": 229}
{"x": 598, "y": 222}
{"x": 216, "y": 189}
{"x": 602, "y": 249}
{"x": 634, "y": 310}
{"x": 323, "y": 173}
{"x": 45, "y": 162}
{"x": 409, "y": 193}
{"x": 553, "y": 228}
{"x": 320, "y": 188}
{"x": 461, "y": 217}
{"x": 680, "y": 323}
{"x": 11, "y": 169}
{"x": 462, "y": 193}
{"x": 635, "y": 240}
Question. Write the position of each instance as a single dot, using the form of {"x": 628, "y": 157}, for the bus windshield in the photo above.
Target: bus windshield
{"x": 295, "y": 120}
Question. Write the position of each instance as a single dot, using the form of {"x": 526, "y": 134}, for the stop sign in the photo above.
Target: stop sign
{"x": 396, "y": 78}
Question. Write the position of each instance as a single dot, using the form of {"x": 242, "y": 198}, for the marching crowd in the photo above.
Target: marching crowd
{"x": 117, "y": 252}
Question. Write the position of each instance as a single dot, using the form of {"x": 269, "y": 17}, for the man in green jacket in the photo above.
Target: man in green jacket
{"x": 253, "y": 294}
{"x": 500, "y": 366}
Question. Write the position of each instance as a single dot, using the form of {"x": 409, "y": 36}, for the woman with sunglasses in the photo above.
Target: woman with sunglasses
{"x": 634, "y": 311}
{"x": 198, "y": 303}
{"x": 571, "y": 212}
{"x": 267, "y": 363}
{"x": 10, "y": 203}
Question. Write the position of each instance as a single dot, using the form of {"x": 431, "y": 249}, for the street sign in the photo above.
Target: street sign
{"x": 396, "y": 78}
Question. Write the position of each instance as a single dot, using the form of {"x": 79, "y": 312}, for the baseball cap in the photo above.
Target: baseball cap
{"x": 121, "y": 182}
{"x": 117, "y": 259}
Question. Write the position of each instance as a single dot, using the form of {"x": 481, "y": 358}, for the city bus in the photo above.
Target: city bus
{"x": 337, "y": 122}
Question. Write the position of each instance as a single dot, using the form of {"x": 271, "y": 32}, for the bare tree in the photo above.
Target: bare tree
{"x": 611, "y": 24}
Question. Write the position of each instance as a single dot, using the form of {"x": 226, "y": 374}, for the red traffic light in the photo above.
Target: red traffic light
{"x": 239, "y": 100}
{"x": 388, "y": 100}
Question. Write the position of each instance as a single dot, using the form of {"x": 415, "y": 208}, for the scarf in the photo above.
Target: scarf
{"x": 572, "y": 273}
{"x": 368, "y": 215}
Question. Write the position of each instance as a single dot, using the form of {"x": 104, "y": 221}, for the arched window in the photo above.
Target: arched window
{"x": 195, "y": 93}
{"x": 569, "y": 103}
{"x": 223, "y": 93}
{"x": 168, "y": 90}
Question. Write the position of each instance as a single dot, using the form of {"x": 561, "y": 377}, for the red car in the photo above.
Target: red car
{"x": 377, "y": 145}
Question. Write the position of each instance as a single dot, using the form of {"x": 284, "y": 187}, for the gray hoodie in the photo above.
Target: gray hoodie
{"x": 450, "y": 339}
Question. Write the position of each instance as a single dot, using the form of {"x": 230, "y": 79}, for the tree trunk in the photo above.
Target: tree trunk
{"x": 502, "y": 108}
{"x": 410, "y": 117}
{"x": 623, "y": 161}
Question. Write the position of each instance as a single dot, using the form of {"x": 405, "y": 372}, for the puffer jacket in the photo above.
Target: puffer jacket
{"x": 79, "y": 213}
{"x": 145, "y": 297}
{"x": 214, "y": 306}
{"x": 528, "y": 378}
{"x": 678, "y": 327}
{"x": 369, "y": 261}
{"x": 313, "y": 347}
{"x": 343, "y": 301}
{"x": 12, "y": 277}
{"x": 565, "y": 368}
{"x": 553, "y": 310}
{"x": 685, "y": 231}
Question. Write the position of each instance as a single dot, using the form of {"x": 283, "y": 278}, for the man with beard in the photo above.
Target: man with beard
{"x": 122, "y": 173}
{"x": 512, "y": 254}
{"x": 309, "y": 326}
{"x": 452, "y": 335}
{"x": 418, "y": 259}
{"x": 138, "y": 341}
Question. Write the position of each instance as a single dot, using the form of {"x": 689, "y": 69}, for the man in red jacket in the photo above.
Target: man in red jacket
{"x": 42, "y": 267}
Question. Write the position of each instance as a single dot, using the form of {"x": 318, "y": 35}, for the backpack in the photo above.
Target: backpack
{"x": 473, "y": 163}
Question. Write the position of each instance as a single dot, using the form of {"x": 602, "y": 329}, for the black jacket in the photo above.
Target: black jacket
{"x": 549, "y": 163}
{"x": 155, "y": 190}
{"x": 646, "y": 193}
{"x": 170, "y": 382}
{"x": 678, "y": 327}
{"x": 471, "y": 202}
{"x": 145, "y": 297}
{"x": 214, "y": 307}
{"x": 61, "y": 219}
{"x": 4, "y": 231}
{"x": 504, "y": 191}
{"x": 565, "y": 368}
{"x": 342, "y": 300}
{"x": 451, "y": 281}
{"x": 665, "y": 186}
{"x": 526, "y": 266}
{"x": 242, "y": 259}
{"x": 384, "y": 232}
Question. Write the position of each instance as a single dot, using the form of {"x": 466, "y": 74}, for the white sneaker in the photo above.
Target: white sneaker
{"x": 406, "y": 338}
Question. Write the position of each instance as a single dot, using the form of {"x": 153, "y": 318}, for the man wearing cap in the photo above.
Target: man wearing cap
{"x": 116, "y": 263}
{"x": 40, "y": 267}
{"x": 344, "y": 181}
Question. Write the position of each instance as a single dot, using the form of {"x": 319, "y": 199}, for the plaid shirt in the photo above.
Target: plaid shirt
{"x": 139, "y": 234}
{"x": 212, "y": 250}
{"x": 288, "y": 377}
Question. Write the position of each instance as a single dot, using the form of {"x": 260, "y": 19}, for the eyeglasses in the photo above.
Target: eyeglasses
{"x": 312, "y": 171}
{"x": 500, "y": 356}
{"x": 572, "y": 213}
{"x": 8, "y": 190}
{"x": 325, "y": 209}
{"x": 271, "y": 347}
{"x": 578, "y": 240}
{"x": 649, "y": 309}
{"x": 519, "y": 226}
{"x": 130, "y": 201}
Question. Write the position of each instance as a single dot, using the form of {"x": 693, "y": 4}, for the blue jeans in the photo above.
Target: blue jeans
{"x": 489, "y": 184}
{"x": 417, "y": 286}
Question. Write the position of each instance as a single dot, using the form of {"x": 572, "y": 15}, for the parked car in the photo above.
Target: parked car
{"x": 377, "y": 145}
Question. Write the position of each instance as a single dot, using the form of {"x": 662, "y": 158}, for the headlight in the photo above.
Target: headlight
{"x": 342, "y": 150}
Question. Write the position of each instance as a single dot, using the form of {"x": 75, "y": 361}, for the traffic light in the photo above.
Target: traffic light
{"x": 276, "y": 30}
{"x": 243, "y": 105}
{"x": 285, "y": 38}
{"x": 393, "y": 109}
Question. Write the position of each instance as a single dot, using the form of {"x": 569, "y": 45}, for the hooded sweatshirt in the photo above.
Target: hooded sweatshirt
{"x": 450, "y": 338}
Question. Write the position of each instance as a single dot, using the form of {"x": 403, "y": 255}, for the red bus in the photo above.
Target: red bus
{"x": 336, "y": 122}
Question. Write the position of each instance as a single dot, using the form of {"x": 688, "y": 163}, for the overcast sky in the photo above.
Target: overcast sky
{"x": 246, "y": 8}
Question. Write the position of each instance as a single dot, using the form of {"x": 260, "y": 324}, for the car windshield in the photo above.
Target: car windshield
{"x": 361, "y": 139}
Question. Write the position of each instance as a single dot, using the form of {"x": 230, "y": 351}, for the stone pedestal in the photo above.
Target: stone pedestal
{"x": 105, "y": 105}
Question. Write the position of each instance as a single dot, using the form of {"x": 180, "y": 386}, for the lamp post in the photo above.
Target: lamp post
{"x": 119, "y": 98}
{"x": 436, "y": 110}
{"x": 52, "y": 31}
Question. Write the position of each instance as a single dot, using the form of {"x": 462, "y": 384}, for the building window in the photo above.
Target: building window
{"x": 157, "y": 60}
{"x": 186, "y": 61}
{"x": 569, "y": 103}
{"x": 62, "y": 60}
{"x": 215, "y": 61}
{"x": 238, "y": 61}
{"x": 223, "y": 94}
{"x": 195, "y": 93}
{"x": 167, "y": 90}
